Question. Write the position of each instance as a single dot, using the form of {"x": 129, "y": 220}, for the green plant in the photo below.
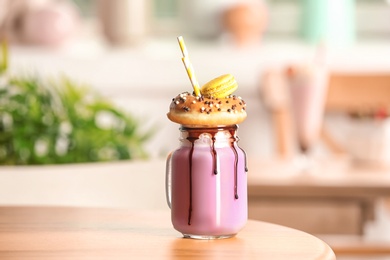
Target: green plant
{"x": 45, "y": 122}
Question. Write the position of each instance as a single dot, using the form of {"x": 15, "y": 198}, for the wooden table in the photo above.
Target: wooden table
{"x": 336, "y": 199}
{"x": 91, "y": 233}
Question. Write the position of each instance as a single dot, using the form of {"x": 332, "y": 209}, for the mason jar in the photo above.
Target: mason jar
{"x": 206, "y": 183}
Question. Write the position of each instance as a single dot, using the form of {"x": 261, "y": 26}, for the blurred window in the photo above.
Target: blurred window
{"x": 87, "y": 7}
{"x": 165, "y": 8}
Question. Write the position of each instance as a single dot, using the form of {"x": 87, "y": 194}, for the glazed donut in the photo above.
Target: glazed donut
{"x": 190, "y": 110}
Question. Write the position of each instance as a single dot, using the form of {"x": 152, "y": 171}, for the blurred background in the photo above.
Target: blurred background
{"x": 126, "y": 53}
{"x": 127, "y": 49}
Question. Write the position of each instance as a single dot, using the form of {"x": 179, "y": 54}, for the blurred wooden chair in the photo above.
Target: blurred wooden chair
{"x": 357, "y": 92}
{"x": 348, "y": 93}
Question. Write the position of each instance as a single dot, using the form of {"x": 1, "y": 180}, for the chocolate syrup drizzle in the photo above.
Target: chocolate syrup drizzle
{"x": 193, "y": 135}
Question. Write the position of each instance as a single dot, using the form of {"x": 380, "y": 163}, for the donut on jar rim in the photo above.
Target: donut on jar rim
{"x": 188, "y": 109}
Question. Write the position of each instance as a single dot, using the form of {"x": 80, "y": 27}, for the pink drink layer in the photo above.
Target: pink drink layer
{"x": 308, "y": 92}
{"x": 206, "y": 202}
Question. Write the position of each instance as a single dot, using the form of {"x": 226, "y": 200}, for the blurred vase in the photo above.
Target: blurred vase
{"x": 329, "y": 21}
{"x": 38, "y": 22}
{"x": 245, "y": 22}
{"x": 124, "y": 22}
{"x": 50, "y": 24}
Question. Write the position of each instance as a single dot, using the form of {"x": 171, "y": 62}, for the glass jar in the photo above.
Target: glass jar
{"x": 206, "y": 183}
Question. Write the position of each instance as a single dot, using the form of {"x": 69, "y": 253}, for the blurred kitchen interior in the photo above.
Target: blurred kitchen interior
{"x": 127, "y": 50}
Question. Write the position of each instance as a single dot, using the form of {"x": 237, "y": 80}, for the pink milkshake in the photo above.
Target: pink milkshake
{"x": 207, "y": 173}
{"x": 308, "y": 88}
{"x": 209, "y": 186}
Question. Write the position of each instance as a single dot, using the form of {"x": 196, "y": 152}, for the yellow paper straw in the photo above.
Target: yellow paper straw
{"x": 188, "y": 66}
{"x": 191, "y": 75}
{"x": 182, "y": 46}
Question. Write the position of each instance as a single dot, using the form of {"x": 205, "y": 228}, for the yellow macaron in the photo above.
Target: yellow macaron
{"x": 220, "y": 87}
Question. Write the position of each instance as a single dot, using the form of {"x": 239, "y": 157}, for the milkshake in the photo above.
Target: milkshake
{"x": 308, "y": 88}
{"x": 207, "y": 173}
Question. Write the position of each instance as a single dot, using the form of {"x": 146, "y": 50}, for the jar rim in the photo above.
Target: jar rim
{"x": 202, "y": 127}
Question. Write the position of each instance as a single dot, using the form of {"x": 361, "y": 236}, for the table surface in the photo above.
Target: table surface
{"x": 93, "y": 233}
